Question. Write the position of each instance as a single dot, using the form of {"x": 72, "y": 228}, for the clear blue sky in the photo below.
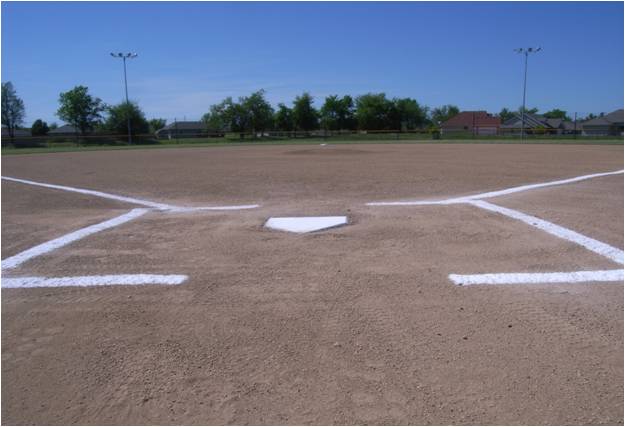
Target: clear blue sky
{"x": 192, "y": 55}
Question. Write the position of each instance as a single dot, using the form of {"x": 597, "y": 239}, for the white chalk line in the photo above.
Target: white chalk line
{"x": 497, "y": 193}
{"x": 51, "y": 245}
{"x": 616, "y": 276}
{"x": 148, "y": 203}
{"x": 83, "y": 281}
{"x": 589, "y": 243}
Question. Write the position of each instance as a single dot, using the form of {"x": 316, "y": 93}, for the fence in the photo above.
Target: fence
{"x": 507, "y": 134}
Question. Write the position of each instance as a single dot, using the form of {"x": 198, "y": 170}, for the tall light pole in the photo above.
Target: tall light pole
{"x": 525, "y": 51}
{"x": 125, "y": 56}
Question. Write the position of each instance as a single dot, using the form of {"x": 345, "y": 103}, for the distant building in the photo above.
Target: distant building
{"x": 475, "y": 122}
{"x": 538, "y": 124}
{"x": 16, "y": 132}
{"x": 186, "y": 130}
{"x": 608, "y": 125}
{"x": 65, "y": 130}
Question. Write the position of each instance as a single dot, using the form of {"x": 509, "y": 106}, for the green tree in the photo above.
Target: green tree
{"x": 13, "y": 111}
{"x": 305, "y": 116}
{"x": 337, "y": 113}
{"x": 374, "y": 111}
{"x": 444, "y": 113}
{"x": 283, "y": 118}
{"x": 53, "y": 126}
{"x": 506, "y": 114}
{"x": 406, "y": 113}
{"x": 219, "y": 116}
{"x": 117, "y": 121}
{"x": 156, "y": 124}
{"x": 39, "y": 128}
{"x": 258, "y": 111}
{"x": 528, "y": 110}
{"x": 557, "y": 114}
{"x": 80, "y": 109}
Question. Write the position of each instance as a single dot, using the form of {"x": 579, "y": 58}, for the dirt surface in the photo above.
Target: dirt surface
{"x": 354, "y": 325}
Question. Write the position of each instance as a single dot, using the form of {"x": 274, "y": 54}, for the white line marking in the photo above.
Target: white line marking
{"x": 523, "y": 278}
{"x": 93, "y": 193}
{"x": 589, "y": 243}
{"x": 497, "y": 193}
{"x": 43, "y": 248}
{"x": 107, "y": 280}
{"x": 212, "y": 208}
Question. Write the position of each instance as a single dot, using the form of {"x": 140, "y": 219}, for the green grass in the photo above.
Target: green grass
{"x": 343, "y": 139}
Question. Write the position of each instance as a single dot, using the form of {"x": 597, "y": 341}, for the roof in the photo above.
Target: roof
{"x": 471, "y": 119}
{"x": 63, "y": 129}
{"x": 531, "y": 121}
{"x": 16, "y": 132}
{"x": 200, "y": 126}
{"x": 608, "y": 119}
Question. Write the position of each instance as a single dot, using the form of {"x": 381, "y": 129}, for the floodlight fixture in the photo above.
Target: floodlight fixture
{"x": 124, "y": 57}
{"x": 526, "y": 52}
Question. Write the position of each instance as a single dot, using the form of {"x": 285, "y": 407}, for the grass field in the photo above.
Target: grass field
{"x": 140, "y": 286}
{"x": 355, "y": 139}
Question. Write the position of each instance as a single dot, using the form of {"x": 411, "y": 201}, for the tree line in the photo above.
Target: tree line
{"x": 253, "y": 113}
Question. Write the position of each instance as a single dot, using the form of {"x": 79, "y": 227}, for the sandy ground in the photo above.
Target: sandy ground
{"x": 354, "y": 325}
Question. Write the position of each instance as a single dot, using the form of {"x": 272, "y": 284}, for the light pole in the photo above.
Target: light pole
{"x": 526, "y": 51}
{"x": 125, "y": 56}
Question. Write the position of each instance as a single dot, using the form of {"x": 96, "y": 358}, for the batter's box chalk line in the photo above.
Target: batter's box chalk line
{"x": 613, "y": 254}
{"x": 103, "y": 280}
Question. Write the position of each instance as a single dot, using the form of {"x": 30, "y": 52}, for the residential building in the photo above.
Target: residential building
{"x": 474, "y": 122}
{"x": 607, "y": 125}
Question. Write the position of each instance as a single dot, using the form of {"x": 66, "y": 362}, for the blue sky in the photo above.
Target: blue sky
{"x": 192, "y": 55}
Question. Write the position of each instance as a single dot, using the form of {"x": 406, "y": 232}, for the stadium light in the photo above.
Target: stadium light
{"x": 125, "y": 56}
{"x": 525, "y": 51}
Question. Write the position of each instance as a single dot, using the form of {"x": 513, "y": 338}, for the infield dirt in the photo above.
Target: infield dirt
{"x": 353, "y": 325}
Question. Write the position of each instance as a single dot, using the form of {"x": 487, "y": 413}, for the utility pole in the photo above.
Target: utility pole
{"x": 526, "y": 52}
{"x": 125, "y": 56}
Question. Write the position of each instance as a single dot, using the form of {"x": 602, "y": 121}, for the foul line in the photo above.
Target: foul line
{"x": 43, "y": 248}
{"x": 615, "y": 276}
{"x": 497, "y": 193}
{"x": 591, "y": 244}
{"x": 148, "y": 203}
{"x": 106, "y": 280}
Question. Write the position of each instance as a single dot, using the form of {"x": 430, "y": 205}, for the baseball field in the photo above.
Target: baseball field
{"x": 471, "y": 284}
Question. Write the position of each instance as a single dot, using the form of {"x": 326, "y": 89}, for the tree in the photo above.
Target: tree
{"x": 39, "y": 128}
{"x": 12, "y": 108}
{"x": 406, "y": 113}
{"x": 156, "y": 124}
{"x": 117, "y": 121}
{"x": 373, "y": 111}
{"x": 80, "y": 109}
{"x": 557, "y": 114}
{"x": 258, "y": 111}
{"x": 220, "y": 116}
{"x": 444, "y": 113}
{"x": 305, "y": 116}
{"x": 506, "y": 114}
{"x": 528, "y": 110}
{"x": 590, "y": 116}
{"x": 337, "y": 113}
{"x": 53, "y": 126}
{"x": 283, "y": 118}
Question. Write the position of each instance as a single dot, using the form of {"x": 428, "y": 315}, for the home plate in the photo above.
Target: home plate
{"x": 305, "y": 224}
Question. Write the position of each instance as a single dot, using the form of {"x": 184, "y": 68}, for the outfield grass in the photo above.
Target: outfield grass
{"x": 347, "y": 139}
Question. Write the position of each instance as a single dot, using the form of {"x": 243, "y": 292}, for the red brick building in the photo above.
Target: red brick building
{"x": 474, "y": 122}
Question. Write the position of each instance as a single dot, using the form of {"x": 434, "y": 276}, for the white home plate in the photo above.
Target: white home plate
{"x": 305, "y": 224}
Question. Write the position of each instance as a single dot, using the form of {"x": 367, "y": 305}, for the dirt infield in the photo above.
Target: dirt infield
{"x": 353, "y": 325}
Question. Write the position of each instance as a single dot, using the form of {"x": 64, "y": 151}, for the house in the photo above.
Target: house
{"x": 475, "y": 122}
{"x": 17, "y": 133}
{"x": 539, "y": 124}
{"x": 607, "y": 125}
{"x": 186, "y": 130}
{"x": 65, "y": 130}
